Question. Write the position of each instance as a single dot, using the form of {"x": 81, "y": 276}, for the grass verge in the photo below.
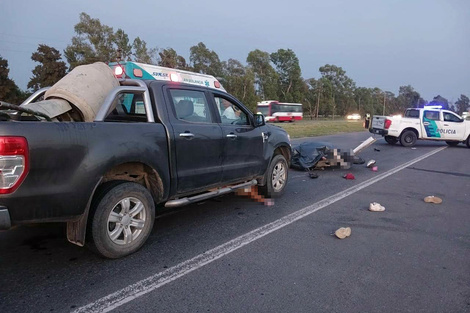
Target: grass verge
{"x": 312, "y": 128}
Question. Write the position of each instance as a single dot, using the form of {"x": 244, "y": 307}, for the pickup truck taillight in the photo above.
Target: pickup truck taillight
{"x": 14, "y": 163}
{"x": 387, "y": 124}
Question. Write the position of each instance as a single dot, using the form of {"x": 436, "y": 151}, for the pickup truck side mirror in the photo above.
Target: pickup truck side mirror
{"x": 259, "y": 120}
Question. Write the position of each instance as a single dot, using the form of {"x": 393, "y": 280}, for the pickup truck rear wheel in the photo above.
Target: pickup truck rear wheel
{"x": 408, "y": 138}
{"x": 391, "y": 140}
{"x": 467, "y": 142}
{"x": 122, "y": 219}
{"x": 276, "y": 177}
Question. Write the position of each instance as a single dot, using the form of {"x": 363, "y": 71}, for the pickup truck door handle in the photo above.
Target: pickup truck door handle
{"x": 231, "y": 136}
{"x": 446, "y": 124}
{"x": 426, "y": 123}
{"x": 187, "y": 135}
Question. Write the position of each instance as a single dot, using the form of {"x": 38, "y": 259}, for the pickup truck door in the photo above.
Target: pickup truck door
{"x": 453, "y": 127}
{"x": 431, "y": 124}
{"x": 198, "y": 140}
{"x": 243, "y": 143}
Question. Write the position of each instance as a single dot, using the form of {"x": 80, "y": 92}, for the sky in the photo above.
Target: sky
{"x": 379, "y": 43}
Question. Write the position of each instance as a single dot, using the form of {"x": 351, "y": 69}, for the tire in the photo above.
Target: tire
{"x": 122, "y": 219}
{"x": 391, "y": 140}
{"x": 408, "y": 138}
{"x": 276, "y": 177}
{"x": 452, "y": 143}
{"x": 467, "y": 142}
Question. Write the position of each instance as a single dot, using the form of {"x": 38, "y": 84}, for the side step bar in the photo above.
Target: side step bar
{"x": 188, "y": 200}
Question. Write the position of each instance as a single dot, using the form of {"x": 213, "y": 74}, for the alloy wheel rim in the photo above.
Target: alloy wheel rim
{"x": 279, "y": 176}
{"x": 126, "y": 221}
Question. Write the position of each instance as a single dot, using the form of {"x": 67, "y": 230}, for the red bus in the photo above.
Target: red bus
{"x": 275, "y": 111}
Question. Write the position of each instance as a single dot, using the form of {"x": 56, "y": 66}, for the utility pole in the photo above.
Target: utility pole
{"x": 318, "y": 100}
{"x": 384, "y": 105}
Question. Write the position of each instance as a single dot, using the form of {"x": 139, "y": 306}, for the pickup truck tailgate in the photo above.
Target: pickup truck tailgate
{"x": 378, "y": 122}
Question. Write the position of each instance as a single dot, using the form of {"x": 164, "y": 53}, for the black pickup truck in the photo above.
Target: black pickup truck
{"x": 152, "y": 144}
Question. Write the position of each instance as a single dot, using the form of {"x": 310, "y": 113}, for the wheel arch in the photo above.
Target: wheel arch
{"x": 137, "y": 172}
{"x": 412, "y": 129}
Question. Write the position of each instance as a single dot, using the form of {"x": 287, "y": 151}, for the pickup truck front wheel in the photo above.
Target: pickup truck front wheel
{"x": 467, "y": 142}
{"x": 276, "y": 177}
{"x": 391, "y": 140}
{"x": 408, "y": 138}
{"x": 123, "y": 216}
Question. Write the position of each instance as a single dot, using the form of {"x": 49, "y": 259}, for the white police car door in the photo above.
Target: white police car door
{"x": 453, "y": 127}
{"x": 432, "y": 124}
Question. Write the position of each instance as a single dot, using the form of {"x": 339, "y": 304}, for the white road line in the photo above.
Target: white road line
{"x": 158, "y": 280}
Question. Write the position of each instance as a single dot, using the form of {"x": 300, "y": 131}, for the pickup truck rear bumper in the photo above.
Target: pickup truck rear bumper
{"x": 378, "y": 131}
{"x": 5, "y": 221}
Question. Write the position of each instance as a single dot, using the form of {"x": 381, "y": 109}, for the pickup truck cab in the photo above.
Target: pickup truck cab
{"x": 159, "y": 140}
{"x": 428, "y": 123}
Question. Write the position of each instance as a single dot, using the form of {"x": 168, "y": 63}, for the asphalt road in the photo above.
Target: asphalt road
{"x": 231, "y": 254}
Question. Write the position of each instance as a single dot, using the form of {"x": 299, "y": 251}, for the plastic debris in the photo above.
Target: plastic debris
{"x": 349, "y": 176}
{"x": 433, "y": 199}
{"x": 371, "y": 163}
{"x": 376, "y": 207}
{"x": 343, "y": 232}
{"x": 312, "y": 174}
{"x": 374, "y": 169}
{"x": 375, "y": 149}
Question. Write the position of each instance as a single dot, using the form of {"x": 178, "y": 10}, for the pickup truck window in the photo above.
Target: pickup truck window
{"x": 230, "y": 113}
{"x": 412, "y": 113}
{"x": 431, "y": 115}
{"x": 449, "y": 117}
{"x": 191, "y": 106}
{"x": 128, "y": 107}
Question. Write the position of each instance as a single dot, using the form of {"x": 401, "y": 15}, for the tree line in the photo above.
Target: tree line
{"x": 266, "y": 76}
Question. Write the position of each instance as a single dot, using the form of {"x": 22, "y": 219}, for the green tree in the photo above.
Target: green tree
{"x": 9, "y": 91}
{"x": 291, "y": 84}
{"x": 266, "y": 77}
{"x": 239, "y": 81}
{"x": 439, "y": 100}
{"x": 408, "y": 97}
{"x": 342, "y": 89}
{"x": 205, "y": 61}
{"x": 123, "y": 46}
{"x": 50, "y": 69}
{"x": 169, "y": 58}
{"x": 463, "y": 104}
{"x": 94, "y": 42}
{"x": 141, "y": 53}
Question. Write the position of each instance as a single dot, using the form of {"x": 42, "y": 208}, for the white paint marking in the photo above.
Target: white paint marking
{"x": 158, "y": 280}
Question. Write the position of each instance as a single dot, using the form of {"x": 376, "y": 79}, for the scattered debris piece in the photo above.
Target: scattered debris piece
{"x": 312, "y": 174}
{"x": 343, "y": 232}
{"x": 364, "y": 144}
{"x": 349, "y": 176}
{"x": 376, "y": 207}
{"x": 375, "y": 149}
{"x": 433, "y": 199}
{"x": 413, "y": 148}
{"x": 375, "y": 169}
{"x": 371, "y": 163}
